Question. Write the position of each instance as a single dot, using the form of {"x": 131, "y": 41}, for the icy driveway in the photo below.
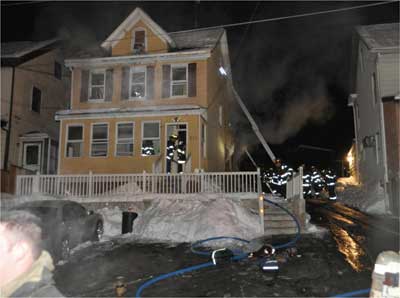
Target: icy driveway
{"x": 320, "y": 271}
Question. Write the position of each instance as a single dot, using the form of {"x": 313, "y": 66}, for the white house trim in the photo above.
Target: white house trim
{"x": 190, "y": 55}
{"x": 130, "y": 22}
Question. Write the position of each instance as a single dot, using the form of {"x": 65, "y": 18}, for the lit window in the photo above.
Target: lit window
{"x": 36, "y": 99}
{"x": 99, "y": 144}
{"x": 137, "y": 86}
{"x": 97, "y": 83}
{"x": 139, "y": 41}
{"x": 74, "y": 141}
{"x": 179, "y": 80}
{"x": 125, "y": 133}
{"x": 150, "y": 138}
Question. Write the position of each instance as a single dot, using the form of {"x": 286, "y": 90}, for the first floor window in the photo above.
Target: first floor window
{"x": 179, "y": 80}
{"x": 74, "y": 141}
{"x": 150, "y": 138}
{"x": 125, "y": 137}
{"x": 36, "y": 99}
{"x": 99, "y": 140}
{"x": 97, "y": 82}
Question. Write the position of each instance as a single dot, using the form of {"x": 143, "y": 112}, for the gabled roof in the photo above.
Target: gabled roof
{"x": 381, "y": 36}
{"x": 14, "y": 53}
{"x": 197, "y": 39}
{"x": 130, "y": 21}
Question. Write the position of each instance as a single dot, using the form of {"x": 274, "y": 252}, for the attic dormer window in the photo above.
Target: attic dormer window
{"x": 139, "y": 41}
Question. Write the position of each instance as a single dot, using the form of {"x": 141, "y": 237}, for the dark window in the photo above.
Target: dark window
{"x": 139, "y": 44}
{"x": 57, "y": 70}
{"x": 36, "y": 99}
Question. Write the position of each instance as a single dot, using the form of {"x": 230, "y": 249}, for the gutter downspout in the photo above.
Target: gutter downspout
{"x": 7, "y": 145}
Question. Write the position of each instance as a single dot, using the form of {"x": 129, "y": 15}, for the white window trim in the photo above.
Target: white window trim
{"x": 40, "y": 107}
{"x": 180, "y": 81}
{"x": 117, "y": 138}
{"x": 134, "y": 38}
{"x": 96, "y": 71}
{"x": 91, "y": 139}
{"x": 74, "y": 141}
{"x": 145, "y": 139}
{"x": 131, "y": 71}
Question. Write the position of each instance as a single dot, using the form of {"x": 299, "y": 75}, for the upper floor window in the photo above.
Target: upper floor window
{"x": 97, "y": 82}
{"x": 137, "y": 85}
{"x": 57, "y": 70}
{"x": 150, "y": 138}
{"x": 99, "y": 146}
{"x": 125, "y": 137}
{"x": 36, "y": 99}
{"x": 139, "y": 41}
{"x": 220, "y": 115}
{"x": 74, "y": 141}
{"x": 179, "y": 80}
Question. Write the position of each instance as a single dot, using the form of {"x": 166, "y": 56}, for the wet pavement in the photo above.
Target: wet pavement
{"x": 327, "y": 264}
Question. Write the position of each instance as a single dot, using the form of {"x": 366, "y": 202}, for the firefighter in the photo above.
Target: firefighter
{"x": 148, "y": 148}
{"x": 171, "y": 147}
{"x": 307, "y": 184}
{"x": 330, "y": 179}
{"x": 317, "y": 181}
{"x": 280, "y": 177}
{"x": 181, "y": 150}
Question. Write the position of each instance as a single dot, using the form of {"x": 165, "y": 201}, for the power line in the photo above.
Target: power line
{"x": 24, "y": 3}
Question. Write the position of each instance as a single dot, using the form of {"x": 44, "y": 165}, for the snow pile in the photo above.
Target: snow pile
{"x": 355, "y": 195}
{"x": 112, "y": 220}
{"x": 192, "y": 220}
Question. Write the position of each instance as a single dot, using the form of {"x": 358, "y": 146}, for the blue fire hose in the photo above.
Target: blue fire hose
{"x": 355, "y": 293}
{"x": 238, "y": 254}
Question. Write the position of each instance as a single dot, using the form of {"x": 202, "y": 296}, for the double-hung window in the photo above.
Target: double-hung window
{"x": 150, "y": 138}
{"x": 36, "y": 99}
{"x": 74, "y": 141}
{"x": 137, "y": 82}
{"x": 99, "y": 145}
{"x": 97, "y": 83}
{"x": 179, "y": 80}
{"x": 125, "y": 137}
{"x": 139, "y": 41}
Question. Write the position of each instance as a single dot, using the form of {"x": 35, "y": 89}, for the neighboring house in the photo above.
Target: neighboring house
{"x": 32, "y": 90}
{"x": 375, "y": 101}
{"x": 154, "y": 102}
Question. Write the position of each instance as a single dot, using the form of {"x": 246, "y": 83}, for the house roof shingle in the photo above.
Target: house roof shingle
{"x": 18, "y": 49}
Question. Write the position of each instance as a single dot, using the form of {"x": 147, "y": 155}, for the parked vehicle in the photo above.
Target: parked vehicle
{"x": 65, "y": 224}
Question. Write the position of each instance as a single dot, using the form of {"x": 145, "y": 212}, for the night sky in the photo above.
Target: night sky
{"x": 293, "y": 75}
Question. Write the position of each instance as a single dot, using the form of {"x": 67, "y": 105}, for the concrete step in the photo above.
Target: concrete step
{"x": 279, "y": 231}
{"x": 279, "y": 224}
{"x": 277, "y": 216}
{"x": 275, "y": 211}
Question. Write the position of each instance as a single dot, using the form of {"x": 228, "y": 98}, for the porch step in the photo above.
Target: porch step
{"x": 283, "y": 224}
{"x": 280, "y": 231}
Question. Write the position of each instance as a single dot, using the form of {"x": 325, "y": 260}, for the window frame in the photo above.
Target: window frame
{"x": 74, "y": 141}
{"x": 134, "y": 38}
{"x": 171, "y": 83}
{"x": 91, "y": 139}
{"x": 55, "y": 70}
{"x": 145, "y": 139}
{"x": 90, "y": 86}
{"x": 130, "y": 82}
{"x": 40, "y": 103}
{"x": 117, "y": 138}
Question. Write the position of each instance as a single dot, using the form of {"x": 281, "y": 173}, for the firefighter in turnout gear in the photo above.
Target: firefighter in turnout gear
{"x": 330, "y": 179}
{"x": 171, "y": 146}
{"x": 280, "y": 177}
{"x": 307, "y": 193}
{"x": 181, "y": 149}
{"x": 317, "y": 181}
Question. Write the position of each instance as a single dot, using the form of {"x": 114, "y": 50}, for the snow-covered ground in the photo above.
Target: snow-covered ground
{"x": 186, "y": 220}
{"x": 352, "y": 194}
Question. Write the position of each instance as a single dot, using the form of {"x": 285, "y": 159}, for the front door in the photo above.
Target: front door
{"x": 176, "y": 140}
{"x": 32, "y": 156}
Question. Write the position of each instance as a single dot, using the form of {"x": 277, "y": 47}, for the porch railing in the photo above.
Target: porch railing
{"x": 294, "y": 187}
{"x": 97, "y": 185}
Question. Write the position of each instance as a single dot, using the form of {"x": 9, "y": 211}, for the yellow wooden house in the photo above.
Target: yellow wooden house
{"x": 154, "y": 101}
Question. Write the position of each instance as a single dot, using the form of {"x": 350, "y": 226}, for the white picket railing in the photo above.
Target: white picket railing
{"x": 294, "y": 187}
{"x": 97, "y": 185}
